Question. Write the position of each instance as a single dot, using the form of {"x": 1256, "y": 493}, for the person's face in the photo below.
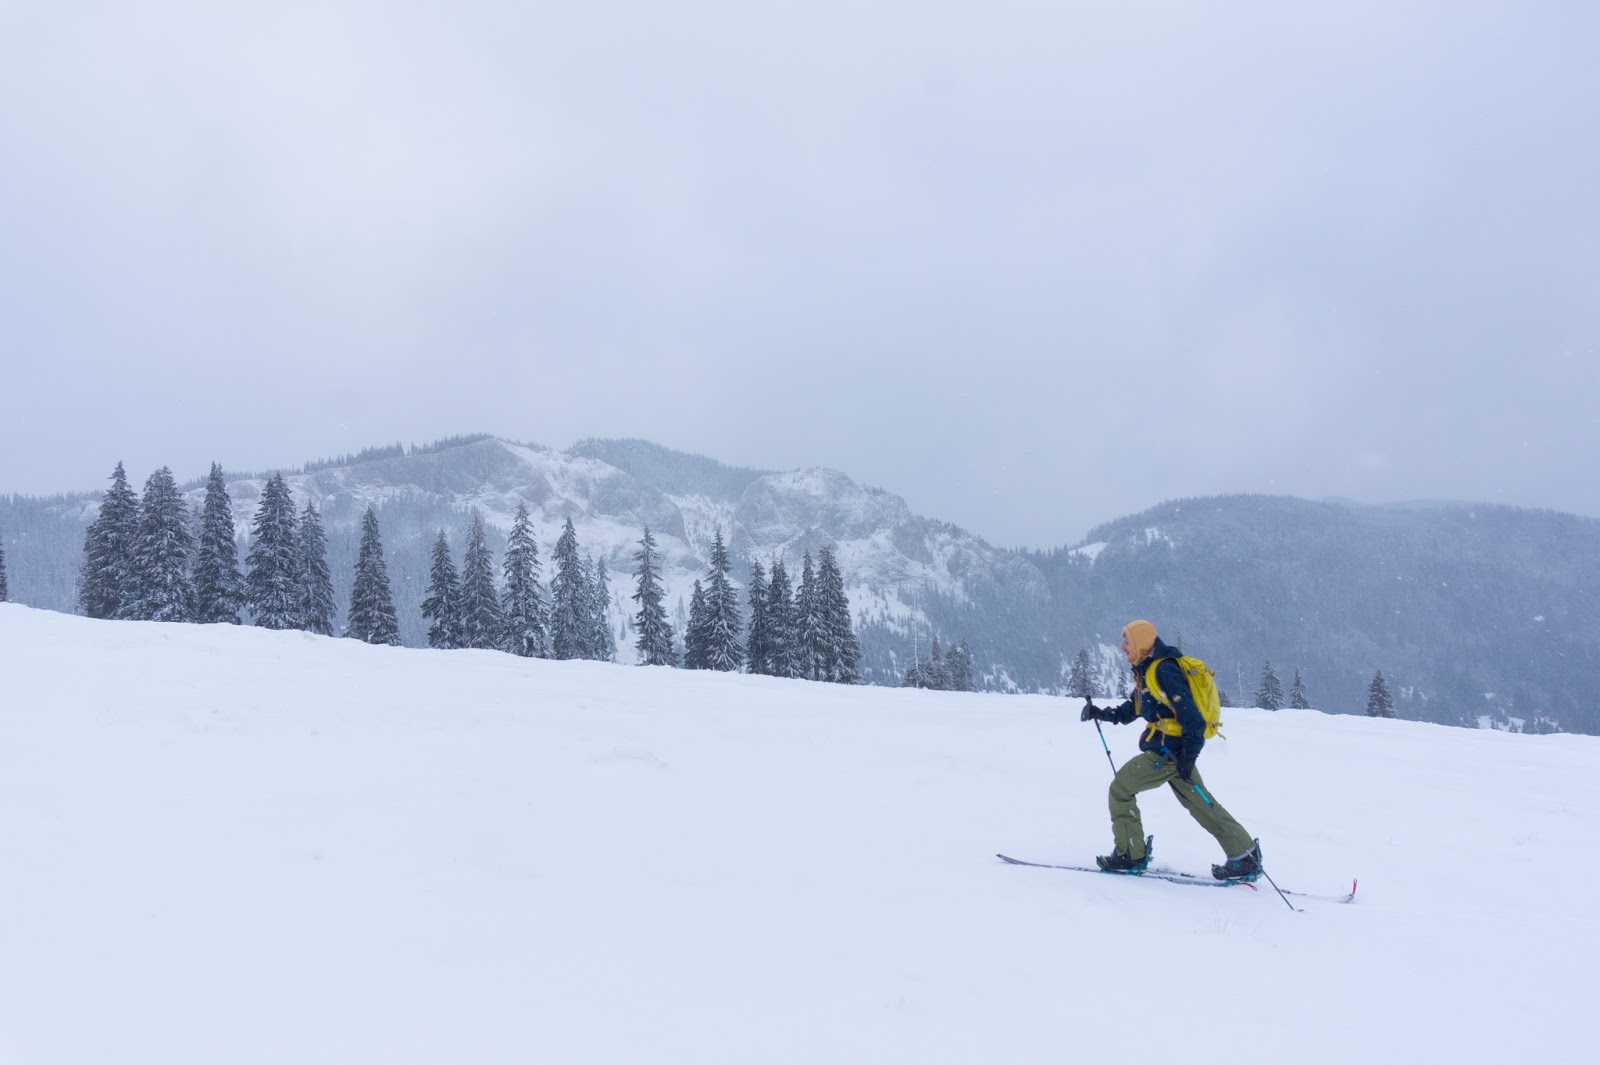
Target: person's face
{"x": 1125, "y": 653}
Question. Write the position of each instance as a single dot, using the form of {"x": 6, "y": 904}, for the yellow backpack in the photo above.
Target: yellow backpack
{"x": 1202, "y": 682}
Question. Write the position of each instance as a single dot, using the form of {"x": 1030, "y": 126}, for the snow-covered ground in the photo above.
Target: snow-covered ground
{"x": 224, "y": 845}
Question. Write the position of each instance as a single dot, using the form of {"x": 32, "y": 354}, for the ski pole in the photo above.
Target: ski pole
{"x": 1279, "y": 890}
{"x": 1103, "y": 743}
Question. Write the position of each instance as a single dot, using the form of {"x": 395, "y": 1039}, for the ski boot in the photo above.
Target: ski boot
{"x": 1246, "y": 867}
{"x": 1117, "y": 862}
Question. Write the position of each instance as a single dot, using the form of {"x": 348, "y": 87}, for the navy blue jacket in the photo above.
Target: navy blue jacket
{"x": 1175, "y": 686}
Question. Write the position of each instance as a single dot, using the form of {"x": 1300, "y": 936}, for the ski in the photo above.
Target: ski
{"x": 1349, "y": 896}
{"x": 1173, "y": 876}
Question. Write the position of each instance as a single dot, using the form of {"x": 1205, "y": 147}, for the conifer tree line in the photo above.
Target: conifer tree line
{"x": 1083, "y": 683}
{"x": 804, "y": 633}
{"x": 150, "y": 558}
{"x": 469, "y": 609}
{"x": 3, "y": 592}
{"x": 941, "y": 670}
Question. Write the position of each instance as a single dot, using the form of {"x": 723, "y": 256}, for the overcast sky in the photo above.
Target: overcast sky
{"x": 1030, "y": 265}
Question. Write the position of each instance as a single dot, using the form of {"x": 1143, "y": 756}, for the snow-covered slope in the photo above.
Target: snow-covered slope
{"x": 234, "y": 845}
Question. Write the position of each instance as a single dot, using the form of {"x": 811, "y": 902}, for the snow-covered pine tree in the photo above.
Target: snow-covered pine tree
{"x": 915, "y": 676}
{"x": 526, "y": 633}
{"x": 569, "y": 594}
{"x": 108, "y": 550}
{"x": 724, "y": 619}
{"x": 159, "y": 584}
{"x": 841, "y": 656}
{"x": 1297, "y": 694}
{"x": 934, "y": 668}
{"x": 1379, "y": 702}
{"x": 758, "y": 637}
{"x": 218, "y": 585}
{"x": 317, "y": 607}
{"x": 1080, "y": 682}
{"x": 586, "y": 608}
{"x": 809, "y": 631}
{"x": 694, "y": 635}
{"x": 371, "y": 615}
{"x": 4, "y": 592}
{"x": 1270, "y": 695}
{"x": 783, "y": 648}
{"x": 482, "y": 621}
{"x": 655, "y": 631}
{"x": 602, "y": 645}
{"x": 441, "y": 603}
{"x": 275, "y": 572}
{"x": 958, "y": 668}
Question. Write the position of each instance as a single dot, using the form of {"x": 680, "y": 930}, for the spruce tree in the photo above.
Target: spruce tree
{"x": 159, "y": 567}
{"x": 602, "y": 586}
{"x": 758, "y": 639}
{"x": 371, "y": 615}
{"x": 934, "y": 669}
{"x": 526, "y": 633}
{"x": 694, "y": 636}
{"x": 441, "y": 602}
{"x": 958, "y": 668}
{"x": 275, "y": 579}
{"x": 783, "y": 648}
{"x": 655, "y": 632}
{"x": 601, "y": 645}
{"x": 915, "y": 675}
{"x": 108, "y": 550}
{"x": 1080, "y": 682}
{"x": 1297, "y": 694}
{"x": 569, "y": 596}
{"x": 482, "y": 621}
{"x": 1379, "y": 702}
{"x": 841, "y": 651}
{"x": 724, "y": 620}
{"x": 317, "y": 606}
{"x": 809, "y": 633}
{"x": 1270, "y": 695}
{"x": 218, "y": 585}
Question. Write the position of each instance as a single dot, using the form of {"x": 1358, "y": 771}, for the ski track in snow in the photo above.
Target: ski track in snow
{"x": 233, "y": 845}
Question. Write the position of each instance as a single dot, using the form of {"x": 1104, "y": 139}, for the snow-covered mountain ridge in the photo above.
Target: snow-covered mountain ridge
{"x": 1475, "y": 614}
{"x": 896, "y": 563}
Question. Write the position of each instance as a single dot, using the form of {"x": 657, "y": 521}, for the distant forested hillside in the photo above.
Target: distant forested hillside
{"x": 1469, "y": 610}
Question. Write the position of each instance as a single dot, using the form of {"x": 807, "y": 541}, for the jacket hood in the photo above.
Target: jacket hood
{"x": 1160, "y": 649}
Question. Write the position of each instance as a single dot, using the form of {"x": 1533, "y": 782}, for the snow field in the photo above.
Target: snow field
{"x": 231, "y": 845}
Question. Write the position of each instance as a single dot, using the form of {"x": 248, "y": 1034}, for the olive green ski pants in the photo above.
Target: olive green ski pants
{"x": 1145, "y": 771}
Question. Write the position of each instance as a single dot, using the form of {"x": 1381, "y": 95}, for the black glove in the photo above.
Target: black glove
{"x": 1186, "y": 769}
{"x": 1092, "y": 712}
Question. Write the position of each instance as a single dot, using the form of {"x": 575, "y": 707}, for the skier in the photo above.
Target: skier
{"x": 1171, "y": 743}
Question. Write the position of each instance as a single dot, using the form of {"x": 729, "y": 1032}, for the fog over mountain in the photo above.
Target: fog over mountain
{"x": 1476, "y": 614}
